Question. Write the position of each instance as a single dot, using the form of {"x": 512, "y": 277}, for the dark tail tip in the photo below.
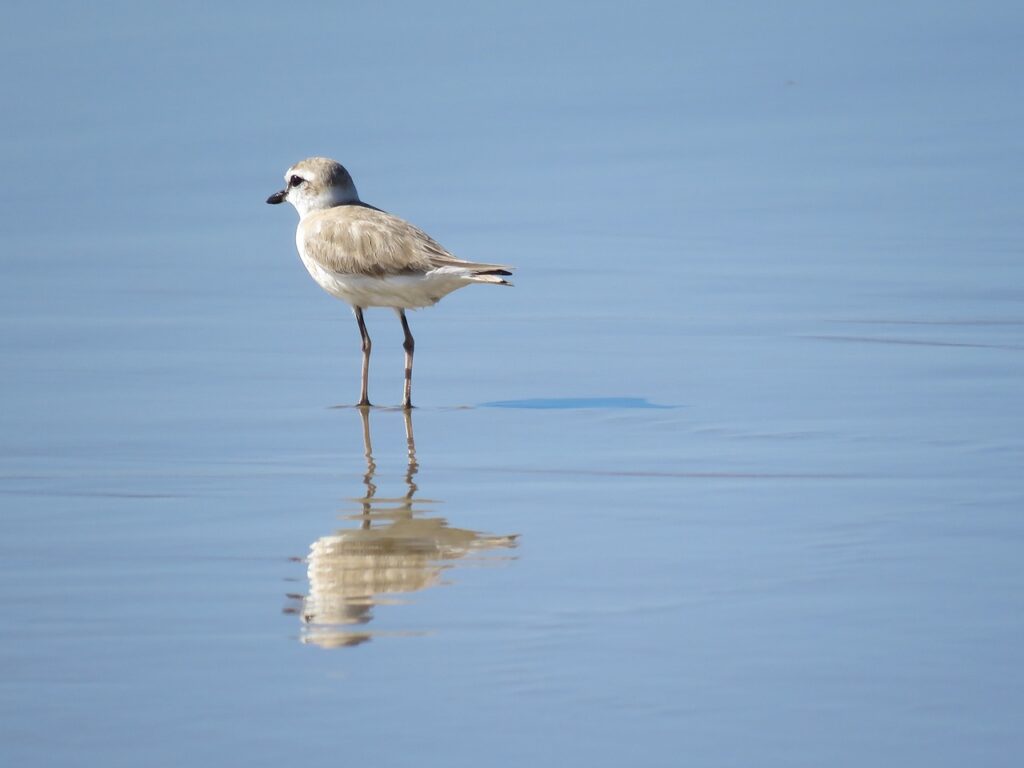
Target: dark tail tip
{"x": 503, "y": 272}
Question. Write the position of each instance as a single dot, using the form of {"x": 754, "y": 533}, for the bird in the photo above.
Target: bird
{"x": 368, "y": 257}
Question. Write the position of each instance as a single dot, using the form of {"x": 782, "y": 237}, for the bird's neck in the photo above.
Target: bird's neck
{"x": 328, "y": 199}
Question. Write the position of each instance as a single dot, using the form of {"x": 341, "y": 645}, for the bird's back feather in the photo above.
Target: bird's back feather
{"x": 362, "y": 240}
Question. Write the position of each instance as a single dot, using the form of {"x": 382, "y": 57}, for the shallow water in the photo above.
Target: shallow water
{"x": 731, "y": 477}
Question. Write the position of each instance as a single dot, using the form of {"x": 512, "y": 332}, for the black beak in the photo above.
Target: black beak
{"x": 277, "y": 197}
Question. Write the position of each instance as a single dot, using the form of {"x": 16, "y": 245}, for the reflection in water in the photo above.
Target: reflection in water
{"x": 393, "y": 550}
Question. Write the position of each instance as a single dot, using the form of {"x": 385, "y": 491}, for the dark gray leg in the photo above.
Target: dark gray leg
{"x": 409, "y": 345}
{"x": 364, "y": 399}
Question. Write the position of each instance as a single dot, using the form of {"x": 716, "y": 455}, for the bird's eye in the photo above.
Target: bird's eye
{"x": 294, "y": 181}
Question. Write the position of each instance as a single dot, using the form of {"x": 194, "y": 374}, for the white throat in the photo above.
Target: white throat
{"x": 306, "y": 203}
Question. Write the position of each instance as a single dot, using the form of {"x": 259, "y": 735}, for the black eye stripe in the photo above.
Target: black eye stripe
{"x": 294, "y": 181}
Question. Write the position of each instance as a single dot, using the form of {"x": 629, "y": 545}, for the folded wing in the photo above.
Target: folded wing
{"x": 361, "y": 240}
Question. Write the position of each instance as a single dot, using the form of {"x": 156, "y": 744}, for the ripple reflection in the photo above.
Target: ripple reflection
{"x": 395, "y": 549}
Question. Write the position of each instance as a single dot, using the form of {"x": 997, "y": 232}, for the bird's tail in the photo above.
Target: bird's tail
{"x": 494, "y": 275}
{"x": 481, "y": 273}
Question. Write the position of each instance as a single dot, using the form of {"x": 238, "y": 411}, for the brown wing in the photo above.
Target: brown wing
{"x": 359, "y": 240}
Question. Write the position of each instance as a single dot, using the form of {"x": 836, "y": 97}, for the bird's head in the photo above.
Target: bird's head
{"x": 314, "y": 184}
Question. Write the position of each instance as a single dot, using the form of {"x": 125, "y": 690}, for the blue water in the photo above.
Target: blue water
{"x": 731, "y": 477}
{"x": 571, "y": 403}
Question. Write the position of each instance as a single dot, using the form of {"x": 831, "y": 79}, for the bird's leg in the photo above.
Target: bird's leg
{"x": 364, "y": 399}
{"x": 409, "y": 345}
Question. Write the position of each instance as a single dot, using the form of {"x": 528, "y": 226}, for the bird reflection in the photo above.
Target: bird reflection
{"x": 394, "y": 549}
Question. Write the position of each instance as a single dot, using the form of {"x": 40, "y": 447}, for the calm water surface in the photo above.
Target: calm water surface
{"x": 732, "y": 477}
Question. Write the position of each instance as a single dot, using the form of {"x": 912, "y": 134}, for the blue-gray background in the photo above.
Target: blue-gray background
{"x": 799, "y": 225}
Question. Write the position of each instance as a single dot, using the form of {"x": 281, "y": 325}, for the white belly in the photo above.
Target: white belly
{"x": 406, "y": 291}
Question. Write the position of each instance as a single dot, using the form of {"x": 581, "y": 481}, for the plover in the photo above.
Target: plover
{"x": 369, "y": 258}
